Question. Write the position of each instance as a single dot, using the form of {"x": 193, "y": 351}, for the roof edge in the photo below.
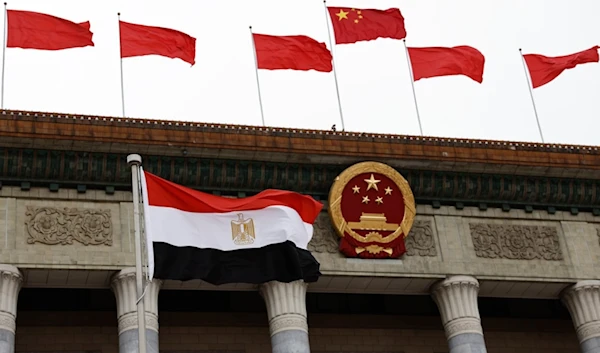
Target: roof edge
{"x": 296, "y": 132}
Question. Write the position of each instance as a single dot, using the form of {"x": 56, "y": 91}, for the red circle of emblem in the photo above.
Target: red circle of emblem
{"x": 372, "y": 209}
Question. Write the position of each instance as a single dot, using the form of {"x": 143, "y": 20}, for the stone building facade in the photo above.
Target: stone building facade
{"x": 503, "y": 255}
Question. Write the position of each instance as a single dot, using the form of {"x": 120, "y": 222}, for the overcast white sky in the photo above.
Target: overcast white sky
{"x": 373, "y": 76}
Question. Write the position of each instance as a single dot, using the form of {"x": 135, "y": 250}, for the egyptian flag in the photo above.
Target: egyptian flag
{"x": 256, "y": 239}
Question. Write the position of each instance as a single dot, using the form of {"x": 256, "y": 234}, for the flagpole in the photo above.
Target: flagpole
{"x": 3, "y": 54}
{"x": 412, "y": 83}
{"x": 337, "y": 88}
{"x": 121, "y": 66}
{"x": 262, "y": 114}
{"x": 134, "y": 161}
{"x": 530, "y": 86}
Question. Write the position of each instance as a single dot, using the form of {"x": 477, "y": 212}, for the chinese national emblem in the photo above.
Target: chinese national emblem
{"x": 242, "y": 230}
{"x": 372, "y": 208}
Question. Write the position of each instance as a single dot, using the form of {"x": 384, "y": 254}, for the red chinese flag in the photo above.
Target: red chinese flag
{"x": 355, "y": 25}
{"x": 544, "y": 69}
{"x": 139, "y": 40}
{"x": 291, "y": 53}
{"x": 439, "y": 61}
{"x": 33, "y": 30}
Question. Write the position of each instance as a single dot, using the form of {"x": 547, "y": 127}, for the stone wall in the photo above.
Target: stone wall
{"x": 487, "y": 244}
{"x": 65, "y": 229}
{"x": 93, "y": 230}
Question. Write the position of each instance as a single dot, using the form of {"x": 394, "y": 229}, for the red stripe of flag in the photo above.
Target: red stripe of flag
{"x": 543, "y": 69}
{"x": 164, "y": 193}
{"x": 292, "y": 53}
{"x": 440, "y": 61}
{"x": 33, "y": 30}
{"x": 139, "y": 40}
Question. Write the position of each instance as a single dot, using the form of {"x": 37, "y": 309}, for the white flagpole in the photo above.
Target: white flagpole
{"x": 262, "y": 114}
{"x": 530, "y": 86}
{"x": 134, "y": 161}
{"x": 3, "y": 54}
{"x": 337, "y": 88}
{"x": 121, "y": 65}
{"x": 412, "y": 83}
{"x": 147, "y": 241}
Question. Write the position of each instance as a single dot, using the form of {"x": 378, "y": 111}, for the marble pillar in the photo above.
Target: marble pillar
{"x": 286, "y": 309}
{"x": 583, "y": 302}
{"x": 10, "y": 285}
{"x": 456, "y": 298}
{"x": 123, "y": 285}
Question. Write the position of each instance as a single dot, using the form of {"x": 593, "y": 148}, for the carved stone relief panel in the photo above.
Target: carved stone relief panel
{"x": 51, "y": 226}
{"x": 420, "y": 240}
{"x": 324, "y": 239}
{"x": 517, "y": 242}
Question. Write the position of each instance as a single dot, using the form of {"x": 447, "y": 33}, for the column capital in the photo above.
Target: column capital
{"x": 286, "y": 305}
{"x": 10, "y": 285}
{"x": 124, "y": 286}
{"x": 583, "y": 302}
{"x": 456, "y": 298}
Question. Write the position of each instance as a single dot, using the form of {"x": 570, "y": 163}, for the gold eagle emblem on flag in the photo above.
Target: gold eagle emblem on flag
{"x": 242, "y": 230}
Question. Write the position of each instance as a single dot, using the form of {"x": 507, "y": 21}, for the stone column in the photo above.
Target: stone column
{"x": 10, "y": 285}
{"x": 583, "y": 302}
{"x": 456, "y": 298}
{"x": 286, "y": 309}
{"x": 123, "y": 285}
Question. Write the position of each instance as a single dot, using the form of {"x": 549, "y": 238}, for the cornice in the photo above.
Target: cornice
{"x": 62, "y": 150}
{"x": 96, "y": 170}
{"x": 56, "y": 131}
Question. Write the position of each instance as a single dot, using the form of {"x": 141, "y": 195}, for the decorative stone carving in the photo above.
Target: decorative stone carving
{"x": 420, "y": 240}
{"x": 324, "y": 239}
{"x": 286, "y": 305}
{"x": 515, "y": 242}
{"x": 456, "y": 298}
{"x": 51, "y": 225}
{"x": 124, "y": 287}
{"x": 598, "y": 233}
{"x": 583, "y": 302}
